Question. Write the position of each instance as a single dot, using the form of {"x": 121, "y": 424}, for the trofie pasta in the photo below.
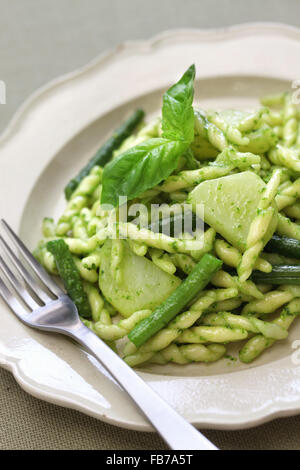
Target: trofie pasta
{"x": 183, "y": 234}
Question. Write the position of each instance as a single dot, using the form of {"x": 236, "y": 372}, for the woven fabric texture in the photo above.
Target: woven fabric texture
{"x": 31, "y": 424}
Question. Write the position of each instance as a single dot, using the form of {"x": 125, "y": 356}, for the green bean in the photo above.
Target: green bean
{"x": 105, "y": 153}
{"x": 195, "y": 282}
{"x": 70, "y": 275}
{"x": 284, "y": 246}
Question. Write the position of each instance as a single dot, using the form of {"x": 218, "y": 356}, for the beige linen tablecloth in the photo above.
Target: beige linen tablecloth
{"x": 28, "y": 423}
{"x": 39, "y": 40}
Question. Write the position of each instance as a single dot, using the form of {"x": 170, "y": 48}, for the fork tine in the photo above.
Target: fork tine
{"x": 33, "y": 263}
{"x": 11, "y": 301}
{"x": 24, "y": 273}
{"x": 17, "y": 286}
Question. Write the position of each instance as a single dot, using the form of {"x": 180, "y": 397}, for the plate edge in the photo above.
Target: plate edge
{"x": 150, "y": 43}
{"x": 134, "y": 46}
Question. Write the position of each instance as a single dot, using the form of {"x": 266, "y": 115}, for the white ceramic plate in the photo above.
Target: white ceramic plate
{"x": 52, "y": 136}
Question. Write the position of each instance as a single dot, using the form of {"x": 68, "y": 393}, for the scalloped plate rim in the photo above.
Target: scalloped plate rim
{"x": 205, "y": 33}
{"x": 16, "y": 121}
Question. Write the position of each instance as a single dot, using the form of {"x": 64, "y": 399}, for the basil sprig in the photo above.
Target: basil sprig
{"x": 177, "y": 110}
{"x": 146, "y": 165}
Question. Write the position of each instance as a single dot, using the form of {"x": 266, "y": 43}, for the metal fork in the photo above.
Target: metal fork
{"x": 57, "y": 313}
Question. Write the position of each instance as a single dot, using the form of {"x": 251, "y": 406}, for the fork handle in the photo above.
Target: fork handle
{"x": 173, "y": 428}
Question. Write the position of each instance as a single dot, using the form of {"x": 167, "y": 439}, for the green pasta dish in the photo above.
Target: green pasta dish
{"x": 182, "y": 234}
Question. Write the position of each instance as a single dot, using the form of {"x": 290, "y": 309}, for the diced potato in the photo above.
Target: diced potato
{"x": 230, "y": 205}
{"x": 144, "y": 285}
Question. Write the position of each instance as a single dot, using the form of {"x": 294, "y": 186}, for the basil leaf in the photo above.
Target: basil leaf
{"x": 149, "y": 163}
{"x": 177, "y": 110}
{"x": 140, "y": 168}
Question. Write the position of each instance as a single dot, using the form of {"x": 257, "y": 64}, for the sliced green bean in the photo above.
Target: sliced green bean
{"x": 105, "y": 153}
{"x": 185, "y": 292}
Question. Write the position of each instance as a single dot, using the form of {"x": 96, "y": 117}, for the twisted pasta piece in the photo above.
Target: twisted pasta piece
{"x": 258, "y": 228}
{"x": 273, "y": 100}
{"x": 285, "y": 177}
{"x": 285, "y": 184}
{"x": 226, "y": 162}
{"x": 208, "y": 138}
{"x": 189, "y": 178}
{"x": 265, "y": 164}
{"x": 290, "y": 122}
{"x": 74, "y": 206}
{"x": 46, "y": 259}
{"x": 48, "y": 227}
{"x": 247, "y": 288}
{"x": 230, "y": 157}
{"x": 252, "y": 120}
{"x": 208, "y": 239}
{"x": 189, "y": 353}
{"x": 89, "y": 275}
{"x": 78, "y": 246}
{"x": 286, "y": 156}
{"x": 79, "y": 199}
{"x": 183, "y": 261}
{"x": 161, "y": 241}
{"x": 232, "y": 257}
{"x": 96, "y": 303}
{"x": 260, "y": 140}
{"x": 96, "y": 209}
{"x": 231, "y": 132}
{"x": 297, "y": 144}
{"x": 162, "y": 260}
{"x": 167, "y": 335}
{"x": 122, "y": 328}
{"x": 273, "y": 118}
{"x": 116, "y": 258}
{"x": 99, "y": 312}
{"x": 79, "y": 228}
{"x": 294, "y": 290}
{"x": 287, "y": 228}
{"x": 225, "y": 305}
{"x": 140, "y": 249}
{"x": 270, "y": 303}
{"x": 288, "y": 195}
{"x": 256, "y": 345}
{"x": 88, "y": 185}
{"x": 94, "y": 225}
{"x": 212, "y": 334}
{"x": 88, "y": 323}
{"x": 82, "y": 247}
{"x": 147, "y": 131}
{"x": 250, "y": 324}
{"x": 293, "y": 211}
{"x": 93, "y": 260}
{"x": 178, "y": 196}
{"x": 86, "y": 215}
{"x": 278, "y": 131}
{"x": 95, "y": 196}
